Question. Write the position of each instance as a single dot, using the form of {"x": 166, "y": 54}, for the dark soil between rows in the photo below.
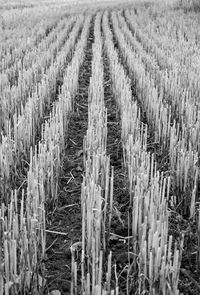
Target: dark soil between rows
{"x": 119, "y": 226}
{"x": 66, "y": 217}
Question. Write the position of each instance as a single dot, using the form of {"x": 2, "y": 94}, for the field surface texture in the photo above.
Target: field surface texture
{"x": 99, "y": 147}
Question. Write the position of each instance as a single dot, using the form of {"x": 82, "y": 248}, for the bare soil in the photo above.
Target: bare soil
{"x": 65, "y": 218}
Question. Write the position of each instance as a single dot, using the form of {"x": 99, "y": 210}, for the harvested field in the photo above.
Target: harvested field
{"x": 99, "y": 148}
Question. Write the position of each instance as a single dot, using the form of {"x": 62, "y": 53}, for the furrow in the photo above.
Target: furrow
{"x": 66, "y": 215}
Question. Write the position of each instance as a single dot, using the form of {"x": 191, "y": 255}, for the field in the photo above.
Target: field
{"x": 99, "y": 147}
